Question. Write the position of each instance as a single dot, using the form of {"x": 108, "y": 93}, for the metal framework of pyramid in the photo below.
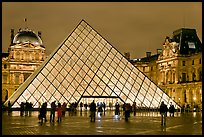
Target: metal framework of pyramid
{"x": 85, "y": 65}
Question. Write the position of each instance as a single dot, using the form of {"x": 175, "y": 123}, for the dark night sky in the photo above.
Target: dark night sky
{"x": 133, "y": 27}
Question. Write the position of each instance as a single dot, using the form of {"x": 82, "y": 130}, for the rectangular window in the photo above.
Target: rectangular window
{"x": 184, "y": 63}
{"x": 183, "y": 77}
{"x": 192, "y": 62}
{"x": 173, "y": 77}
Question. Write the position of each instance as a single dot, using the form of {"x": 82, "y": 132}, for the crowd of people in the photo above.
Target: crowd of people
{"x": 60, "y": 109}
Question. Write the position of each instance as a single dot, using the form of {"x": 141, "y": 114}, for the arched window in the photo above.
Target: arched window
{"x": 5, "y": 66}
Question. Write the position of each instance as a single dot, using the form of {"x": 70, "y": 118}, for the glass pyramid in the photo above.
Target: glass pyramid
{"x": 86, "y": 67}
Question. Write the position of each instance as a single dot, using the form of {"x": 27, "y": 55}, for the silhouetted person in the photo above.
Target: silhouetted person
{"x": 52, "y": 111}
{"x": 64, "y": 107}
{"x": 22, "y": 109}
{"x": 127, "y": 111}
{"x": 43, "y": 112}
{"x": 171, "y": 110}
{"x": 81, "y": 106}
{"x": 30, "y": 108}
{"x": 93, "y": 111}
{"x": 26, "y": 108}
{"x": 117, "y": 108}
{"x": 134, "y": 108}
{"x": 163, "y": 112}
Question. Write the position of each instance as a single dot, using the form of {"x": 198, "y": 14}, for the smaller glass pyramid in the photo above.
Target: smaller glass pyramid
{"x": 84, "y": 67}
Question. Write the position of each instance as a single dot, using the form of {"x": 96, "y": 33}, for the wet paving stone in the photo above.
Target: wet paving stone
{"x": 144, "y": 123}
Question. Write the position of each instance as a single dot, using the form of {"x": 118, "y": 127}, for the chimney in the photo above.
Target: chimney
{"x": 12, "y": 35}
{"x": 127, "y": 55}
{"x": 39, "y": 34}
{"x": 148, "y": 54}
{"x": 159, "y": 51}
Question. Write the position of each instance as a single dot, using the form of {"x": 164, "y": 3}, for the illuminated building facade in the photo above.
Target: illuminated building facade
{"x": 86, "y": 67}
{"x": 25, "y": 53}
{"x": 177, "y": 69}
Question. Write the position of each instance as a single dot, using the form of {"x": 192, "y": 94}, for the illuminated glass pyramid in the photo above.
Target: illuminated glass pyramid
{"x": 85, "y": 65}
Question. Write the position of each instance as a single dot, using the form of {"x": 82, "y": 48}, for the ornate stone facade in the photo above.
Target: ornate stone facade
{"x": 25, "y": 53}
{"x": 178, "y": 68}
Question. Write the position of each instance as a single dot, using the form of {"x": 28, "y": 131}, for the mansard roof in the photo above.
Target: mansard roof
{"x": 188, "y": 41}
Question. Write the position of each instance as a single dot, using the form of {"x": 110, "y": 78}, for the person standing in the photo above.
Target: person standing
{"x": 43, "y": 112}
{"x": 127, "y": 111}
{"x": 22, "y": 108}
{"x": 134, "y": 108}
{"x": 64, "y": 108}
{"x": 52, "y": 112}
{"x": 117, "y": 108}
{"x": 171, "y": 110}
{"x": 93, "y": 111}
{"x": 163, "y": 112}
{"x": 81, "y": 106}
{"x": 59, "y": 113}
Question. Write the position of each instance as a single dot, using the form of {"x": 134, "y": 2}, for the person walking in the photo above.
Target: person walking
{"x": 163, "y": 112}
{"x": 52, "y": 112}
{"x": 59, "y": 113}
{"x": 93, "y": 111}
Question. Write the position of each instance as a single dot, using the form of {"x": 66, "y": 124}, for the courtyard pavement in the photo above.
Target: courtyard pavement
{"x": 144, "y": 123}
